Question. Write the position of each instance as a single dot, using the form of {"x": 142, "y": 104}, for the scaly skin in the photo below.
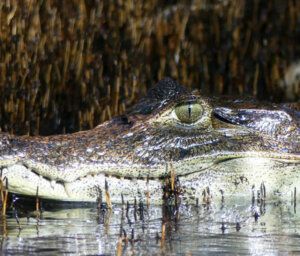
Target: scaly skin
{"x": 233, "y": 147}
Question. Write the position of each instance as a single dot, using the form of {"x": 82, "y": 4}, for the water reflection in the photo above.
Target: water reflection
{"x": 238, "y": 227}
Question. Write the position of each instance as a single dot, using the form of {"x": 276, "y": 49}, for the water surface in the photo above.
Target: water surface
{"x": 228, "y": 228}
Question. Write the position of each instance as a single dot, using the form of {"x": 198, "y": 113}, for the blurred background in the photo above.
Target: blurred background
{"x": 69, "y": 65}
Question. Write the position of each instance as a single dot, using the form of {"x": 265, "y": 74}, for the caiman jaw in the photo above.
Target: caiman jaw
{"x": 86, "y": 188}
{"x": 209, "y": 142}
{"x": 221, "y": 179}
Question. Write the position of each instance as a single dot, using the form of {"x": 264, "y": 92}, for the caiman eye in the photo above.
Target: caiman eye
{"x": 188, "y": 112}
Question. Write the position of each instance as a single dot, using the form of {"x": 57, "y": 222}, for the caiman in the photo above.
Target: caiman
{"x": 222, "y": 147}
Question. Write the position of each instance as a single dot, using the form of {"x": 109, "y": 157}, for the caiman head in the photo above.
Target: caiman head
{"x": 227, "y": 146}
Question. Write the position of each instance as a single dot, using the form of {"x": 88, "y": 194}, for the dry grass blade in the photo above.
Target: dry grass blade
{"x": 108, "y": 201}
{"x": 172, "y": 177}
{"x": 4, "y": 202}
{"x": 37, "y": 206}
{"x": 48, "y": 54}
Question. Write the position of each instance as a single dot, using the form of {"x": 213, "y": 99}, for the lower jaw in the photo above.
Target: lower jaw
{"x": 240, "y": 177}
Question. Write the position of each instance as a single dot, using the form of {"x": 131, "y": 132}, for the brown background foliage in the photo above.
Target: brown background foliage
{"x": 68, "y": 65}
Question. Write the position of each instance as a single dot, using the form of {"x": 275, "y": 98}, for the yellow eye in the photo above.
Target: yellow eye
{"x": 189, "y": 112}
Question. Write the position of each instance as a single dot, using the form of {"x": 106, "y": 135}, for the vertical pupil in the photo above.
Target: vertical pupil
{"x": 190, "y": 110}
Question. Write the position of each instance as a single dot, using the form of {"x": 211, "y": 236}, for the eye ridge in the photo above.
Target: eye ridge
{"x": 189, "y": 112}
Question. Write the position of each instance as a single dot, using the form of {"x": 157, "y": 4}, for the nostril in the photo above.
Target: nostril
{"x": 124, "y": 119}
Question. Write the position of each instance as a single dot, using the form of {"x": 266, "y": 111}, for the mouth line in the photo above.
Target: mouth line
{"x": 104, "y": 175}
{"x": 147, "y": 178}
{"x": 70, "y": 173}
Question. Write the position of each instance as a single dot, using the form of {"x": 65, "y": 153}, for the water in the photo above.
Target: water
{"x": 229, "y": 228}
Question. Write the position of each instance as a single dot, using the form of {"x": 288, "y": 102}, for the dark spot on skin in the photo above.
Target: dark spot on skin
{"x": 244, "y": 179}
{"x": 238, "y": 226}
{"x": 256, "y": 215}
